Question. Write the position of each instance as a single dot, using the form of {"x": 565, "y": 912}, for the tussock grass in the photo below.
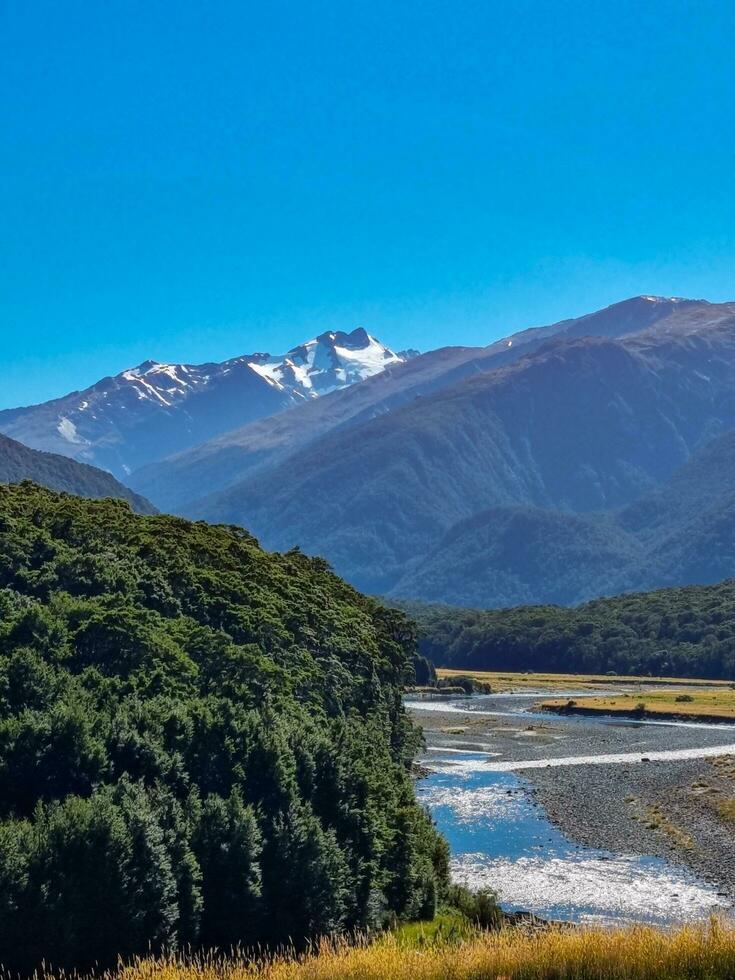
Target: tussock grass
{"x": 697, "y": 952}
{"x": 716, "y": 703}
{"x": 726, "y": 809}
{"x": 657, "y": 819}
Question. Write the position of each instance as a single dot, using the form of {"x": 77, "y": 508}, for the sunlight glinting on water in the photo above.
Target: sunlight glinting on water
{"x": 607, "y": 889}
{"x": 485, "y": 803}
{"x": 503, "y": 841}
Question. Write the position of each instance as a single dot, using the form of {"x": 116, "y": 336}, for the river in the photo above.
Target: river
{"x": 483, "y": 755}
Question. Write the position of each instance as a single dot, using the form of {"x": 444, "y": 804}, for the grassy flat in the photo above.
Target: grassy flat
{"x": 504, "y": 680}
{"x": 717, "y": 703}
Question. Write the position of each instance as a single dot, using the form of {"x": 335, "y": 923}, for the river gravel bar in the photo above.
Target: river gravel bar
{"x": 680, "y": 809}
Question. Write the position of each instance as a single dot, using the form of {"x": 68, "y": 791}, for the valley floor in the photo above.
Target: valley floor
{"x": 683, "y": 811}
{"x": 516, "y": 681}
{"x": 689, "y": 703}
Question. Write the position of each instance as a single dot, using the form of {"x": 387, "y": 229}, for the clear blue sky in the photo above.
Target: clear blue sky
{"x": 193, "y": 180}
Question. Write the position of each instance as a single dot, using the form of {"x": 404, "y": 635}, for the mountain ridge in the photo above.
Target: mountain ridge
{"x": 177, "y": 481}
{"x": 554, "y": 433}
{"x": 59, "y": 473}
{"x": 143, "y": 413}
{"x": 682, "y": 533}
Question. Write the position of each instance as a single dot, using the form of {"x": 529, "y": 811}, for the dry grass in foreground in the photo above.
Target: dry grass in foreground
{"x": 639, "y": 953}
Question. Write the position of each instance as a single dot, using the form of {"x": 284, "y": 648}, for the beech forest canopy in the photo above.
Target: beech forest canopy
{"x": 201, "y": 743}
{"x": 682, "y": 632}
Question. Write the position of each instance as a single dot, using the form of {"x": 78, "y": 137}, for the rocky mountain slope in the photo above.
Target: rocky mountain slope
{"x": 153, "y": 410}
{"x": 18, "y": 463}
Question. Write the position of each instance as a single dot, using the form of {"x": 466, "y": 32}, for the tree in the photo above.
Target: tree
{"x": 228, "y": 846}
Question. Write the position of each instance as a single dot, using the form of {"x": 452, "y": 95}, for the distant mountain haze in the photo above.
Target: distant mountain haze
{"x": 153, "y": 410}
{"x": 682, "y": 533}
{"x": 580, "y": 427}
{"x": 222, "y": 462}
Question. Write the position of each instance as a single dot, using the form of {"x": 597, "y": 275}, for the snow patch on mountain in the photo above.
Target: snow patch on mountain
{"x": 67, "y": 430}
{"x": 327, "y": 362}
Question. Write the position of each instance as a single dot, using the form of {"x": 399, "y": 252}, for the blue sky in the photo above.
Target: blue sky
{"x": 191, "y": 181}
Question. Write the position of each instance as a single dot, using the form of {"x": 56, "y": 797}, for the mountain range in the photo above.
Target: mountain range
{"x": 591, "y": 456}
{"x": 435, "y": 479}
{"x": 153, "y": 410}
{"x": 223, "y": 462}
{"x": 681, "y": 533}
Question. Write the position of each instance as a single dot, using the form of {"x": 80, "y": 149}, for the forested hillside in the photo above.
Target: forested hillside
{"x": 681, "y": 533}
{"x": 200, "y": 742}
{"x": 687, "y": 632}
{"x": 18, "y": 462}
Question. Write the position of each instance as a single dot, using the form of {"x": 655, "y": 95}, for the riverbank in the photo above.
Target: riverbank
{"x": 673, "y": 811}
{"x": 561, "y": 707}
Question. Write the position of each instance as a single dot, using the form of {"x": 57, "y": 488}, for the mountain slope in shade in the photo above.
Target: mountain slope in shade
{"x": 578, "y": 425}
{"x": 18, "y": 463}
{"x": 509, "y": 556}
{"x": 153, "y": 410}
{"x": 682, "y": 533}
{"x": 232, "y": 457}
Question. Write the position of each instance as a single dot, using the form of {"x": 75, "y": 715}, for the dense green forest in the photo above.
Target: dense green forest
{"x": 200, "y": 742}
{"x": 687, "y": 632}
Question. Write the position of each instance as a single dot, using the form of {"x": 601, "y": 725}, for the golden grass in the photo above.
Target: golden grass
{"x": 658, "y": 819}
{"x": 504, "y": 680}
{"x": 724, "y": 766}
{"x": 726, "y": 809}
{"x": 713, "y": 702}
{"x": 638, "y": 953}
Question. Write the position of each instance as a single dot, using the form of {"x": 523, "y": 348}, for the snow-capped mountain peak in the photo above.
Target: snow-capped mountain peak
{"x": 332, "y": 360}
{"x": 154, "y": 409}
